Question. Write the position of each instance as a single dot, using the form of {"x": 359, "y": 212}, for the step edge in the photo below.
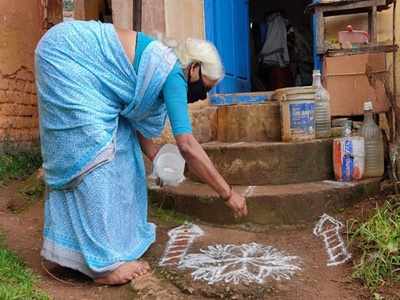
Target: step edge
{"x": 280, "y": 190}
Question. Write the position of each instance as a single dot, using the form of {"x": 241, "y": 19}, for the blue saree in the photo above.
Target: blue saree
{"x": 92, "y": 104}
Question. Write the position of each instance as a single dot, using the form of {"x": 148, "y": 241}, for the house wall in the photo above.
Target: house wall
{"x": 184, "y": 18}
{"x": 87, "y": 9}
{"x": 177, "y": 19}
{"x": 22, "y": 23}
{"x": 122, "y": 11}
{"x": 153, "y": 17}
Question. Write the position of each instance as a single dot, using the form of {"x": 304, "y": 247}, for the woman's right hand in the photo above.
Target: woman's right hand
{"x": 238, "y": 204}
{"x": 201, "y": 165}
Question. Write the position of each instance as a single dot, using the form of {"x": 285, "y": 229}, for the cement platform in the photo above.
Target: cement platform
{"x": 271, "y": 163}
{"x": 268, "y": 204}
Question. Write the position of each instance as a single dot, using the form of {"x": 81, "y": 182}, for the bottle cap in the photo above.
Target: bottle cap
{"x": 368, "y": 105}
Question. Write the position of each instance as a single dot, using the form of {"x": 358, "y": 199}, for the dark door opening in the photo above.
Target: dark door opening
{"x": 281, "y": 44}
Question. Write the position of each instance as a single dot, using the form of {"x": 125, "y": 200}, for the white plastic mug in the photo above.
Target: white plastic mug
{"x": 169, "y": 165}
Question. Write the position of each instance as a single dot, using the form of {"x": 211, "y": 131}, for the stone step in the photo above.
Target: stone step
{"x": 271, "y": 163}
{"x": 249, "y": 123}
{"x": 268, "y": 205}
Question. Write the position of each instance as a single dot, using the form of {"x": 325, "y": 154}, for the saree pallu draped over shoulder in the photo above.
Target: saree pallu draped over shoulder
{"x": 92, "y": 103}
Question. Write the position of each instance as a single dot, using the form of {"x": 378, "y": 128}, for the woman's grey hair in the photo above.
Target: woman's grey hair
{"x": 200, "y": 51}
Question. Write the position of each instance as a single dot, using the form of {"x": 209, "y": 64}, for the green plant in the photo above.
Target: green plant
{"x": 379, "y": 242}
{"x": 68, "y": 5}
{"x": 16, "y": 281}
{"x": 18, "y": 165}
{"x": 167, "y": 216}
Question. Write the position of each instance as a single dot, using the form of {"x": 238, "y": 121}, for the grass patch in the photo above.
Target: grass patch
{"x": 167, "y": 216}
{"x": 378, "y": 240}
{"x": 18, "y": 165}
{"x": 16, "y": 281}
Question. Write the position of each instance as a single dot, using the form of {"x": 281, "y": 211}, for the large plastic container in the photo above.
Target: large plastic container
{"x": 374, "y": 152}
{"x": 169, "y": 165}
{"x": 350, "y": 36}
{"x": 297, "y": 113}
{"x": 322, "y": 108}
{"x": 348, "y": 158}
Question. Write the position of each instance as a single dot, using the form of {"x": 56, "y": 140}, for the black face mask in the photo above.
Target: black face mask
{"x": 197, "y": 90}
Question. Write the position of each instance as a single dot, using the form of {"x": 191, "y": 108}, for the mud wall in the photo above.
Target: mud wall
{"x": 22, "y": 23}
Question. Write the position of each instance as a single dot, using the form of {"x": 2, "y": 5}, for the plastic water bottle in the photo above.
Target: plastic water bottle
{"x": 322, "y": 108}
{"x": 374, "y": 155}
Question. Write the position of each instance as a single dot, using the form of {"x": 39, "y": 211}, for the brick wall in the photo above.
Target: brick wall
{"x": 18, "y": 108}
{"x": 22, "y": 23}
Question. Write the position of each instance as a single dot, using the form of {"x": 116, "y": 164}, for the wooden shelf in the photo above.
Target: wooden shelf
{"x": 363, "y": 50}
{"x": 335, "y": 8}
{"x": 330, "y": 5}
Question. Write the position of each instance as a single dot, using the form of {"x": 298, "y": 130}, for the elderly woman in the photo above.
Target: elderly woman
{"x": 104, "y": 94}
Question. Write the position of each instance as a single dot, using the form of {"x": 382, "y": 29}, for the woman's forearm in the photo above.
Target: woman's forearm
{"x": 201, "y": 165}
{"x": 149, "y": 148}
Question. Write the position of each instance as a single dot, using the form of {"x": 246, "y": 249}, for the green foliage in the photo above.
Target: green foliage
{"x": 68, "y": 5}
{"x": 18, "y": 165}
{"x": 379, "y": 242}
{"x": 16, "y": 281}
{"x": 167, "y": 216}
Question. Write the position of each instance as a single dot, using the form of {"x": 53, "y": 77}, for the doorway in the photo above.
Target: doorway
{"x": 280, "y": 44}
{"x": 264, "y": 45}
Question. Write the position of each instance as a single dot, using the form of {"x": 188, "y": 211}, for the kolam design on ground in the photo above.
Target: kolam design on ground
{"x": 329, "y": 229}
{"x": 240, "y": 263}
{"x": 180, "y": 239}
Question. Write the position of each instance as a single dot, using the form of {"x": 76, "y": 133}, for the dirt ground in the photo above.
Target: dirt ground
{"x": 314, "y": 281}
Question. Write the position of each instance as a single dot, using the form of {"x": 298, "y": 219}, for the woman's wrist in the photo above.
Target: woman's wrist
{"x": 227, "y": 194}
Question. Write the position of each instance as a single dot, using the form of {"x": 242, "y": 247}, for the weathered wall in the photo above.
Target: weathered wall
{"x": 176, "y": 19}
{"x": 122, "y": 11}
{"x": 153, "y": 16}
{"x": 87, "y": 9}
{"x": 79, "y": 9}
{"x": 21, "y": 25}
{"x": 184, "y": 18}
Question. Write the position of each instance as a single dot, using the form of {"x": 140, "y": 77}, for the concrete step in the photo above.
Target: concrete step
{"x": 268, "y": 205}
{"x": 249, "y": 123}
{"x": 271, "y": 163}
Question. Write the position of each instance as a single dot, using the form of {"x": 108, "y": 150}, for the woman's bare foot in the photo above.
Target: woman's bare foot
{"x": 125, "y": 273}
